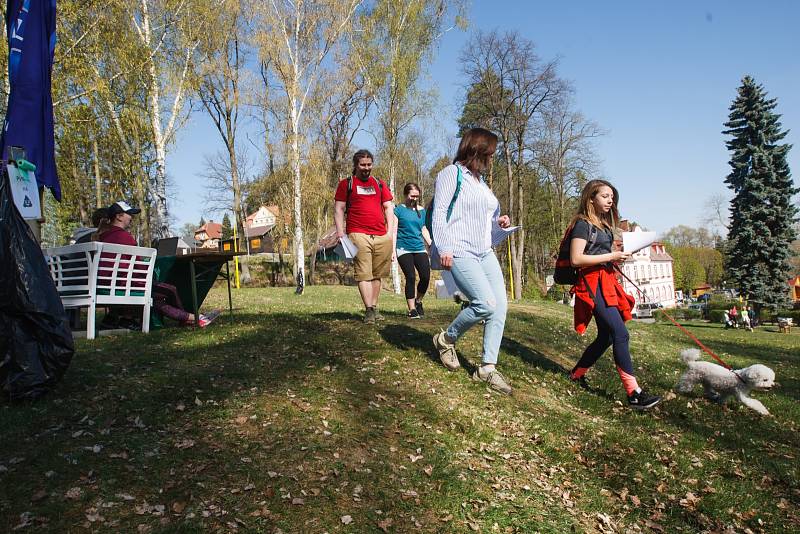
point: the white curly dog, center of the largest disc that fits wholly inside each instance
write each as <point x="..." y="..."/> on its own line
<point x="720" y="383"/>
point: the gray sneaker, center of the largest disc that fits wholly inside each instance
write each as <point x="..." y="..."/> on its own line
<point x="447" y="351"/>
<point x="494" y="379"/>
<point x="369" y="316"/>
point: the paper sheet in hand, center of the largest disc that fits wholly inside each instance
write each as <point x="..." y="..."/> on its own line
<point x="501" y="234"/>
<point x="346" y="249"/>
<point x="447" y="288"/>
<point x="636" y="241"/>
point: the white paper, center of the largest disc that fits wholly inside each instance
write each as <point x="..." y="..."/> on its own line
<point x="636" y="241"/>
<point x="346" y="249"/>
<point x="25" y="192"/>
<point x="446" y="287"/>
<point x="501" y="234"/>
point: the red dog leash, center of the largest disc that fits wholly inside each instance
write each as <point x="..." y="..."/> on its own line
<point x="682" y="329"/>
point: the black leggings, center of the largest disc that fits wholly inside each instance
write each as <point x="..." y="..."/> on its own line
<point x="611" y="332"/>
<point x="408" y="263"/>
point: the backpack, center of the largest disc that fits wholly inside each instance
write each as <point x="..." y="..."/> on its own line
<point x="435" y="261"/>
<point x="565" y="273"/>
<point x="350" y="190"/>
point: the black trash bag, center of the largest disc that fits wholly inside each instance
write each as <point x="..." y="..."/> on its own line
<point x="36" y="344"/>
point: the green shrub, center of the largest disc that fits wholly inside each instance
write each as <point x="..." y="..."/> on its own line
<point x="557" y="293"/>
<point x="679" y="314"/>
<point x="722" y="303"/>
<point x="533" y="287"/>
<point x="771" y="317"/>
<point x="716" y="316"/>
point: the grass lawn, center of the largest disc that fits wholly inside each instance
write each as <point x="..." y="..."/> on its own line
<point x="293" y="416"/>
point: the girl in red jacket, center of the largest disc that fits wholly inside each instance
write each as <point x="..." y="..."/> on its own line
<point x="598" y="293"/>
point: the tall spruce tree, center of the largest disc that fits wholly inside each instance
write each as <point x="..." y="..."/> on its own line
<point x="762" y="212"/>
<point x="227" y="228"/>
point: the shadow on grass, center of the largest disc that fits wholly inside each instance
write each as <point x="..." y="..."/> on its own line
<point x="166" y="402"/>
<point x="404" y="337"/>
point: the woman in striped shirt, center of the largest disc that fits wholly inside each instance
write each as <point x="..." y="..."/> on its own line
<point x="463" y="239"/>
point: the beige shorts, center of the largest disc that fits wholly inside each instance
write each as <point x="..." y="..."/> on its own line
<point x="374" y="258"/>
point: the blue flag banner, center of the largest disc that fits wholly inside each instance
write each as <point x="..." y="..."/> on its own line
<point x="31" y="26"/>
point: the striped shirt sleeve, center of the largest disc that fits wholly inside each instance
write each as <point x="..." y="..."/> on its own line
<point x="444" y="188"/>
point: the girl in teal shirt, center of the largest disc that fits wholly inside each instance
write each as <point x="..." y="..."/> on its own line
<point x="411" y="240"/>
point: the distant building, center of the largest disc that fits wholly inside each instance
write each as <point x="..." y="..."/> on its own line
<point x="702" y="289"/>
<point x="794" y="284"/>
<point x="258" y="227"/>
<point x="327" y="245"/>
<point x="263" y="216"/>
<point x="651" y="270"/>
<point x="208" y="235"/>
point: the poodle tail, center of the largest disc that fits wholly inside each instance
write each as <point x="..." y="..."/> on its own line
<point x="690" y="355"/>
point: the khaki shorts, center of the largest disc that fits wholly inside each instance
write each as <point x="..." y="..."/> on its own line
<point x="374" y="258"/>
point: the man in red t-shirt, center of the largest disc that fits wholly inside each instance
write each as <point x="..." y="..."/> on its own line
<point x="363" y="209"/>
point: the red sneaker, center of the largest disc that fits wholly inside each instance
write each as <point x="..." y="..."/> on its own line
<point x="208" y="318"/>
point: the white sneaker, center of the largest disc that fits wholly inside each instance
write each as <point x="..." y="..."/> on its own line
<point x="494" y="379"/>
<point x="447" y="351"/>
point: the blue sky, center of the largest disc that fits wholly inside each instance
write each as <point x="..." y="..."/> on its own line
<point x="657" y="76"/>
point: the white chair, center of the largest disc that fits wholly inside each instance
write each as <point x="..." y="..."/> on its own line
<point x="92" y="274"/>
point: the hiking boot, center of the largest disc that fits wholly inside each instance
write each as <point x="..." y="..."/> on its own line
<point x="494" y="379"/>
<point x="413" y="314"/>
<point x="420" y="309"/>
<point x="447" y="351"/>
<point x="369" y="316"/>
<point x="582" y="382"/>
<point x="642" y="400"/>
<point x="378" y="316"/>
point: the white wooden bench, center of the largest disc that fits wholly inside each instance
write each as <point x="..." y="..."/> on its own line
<point x="92" y="274"/>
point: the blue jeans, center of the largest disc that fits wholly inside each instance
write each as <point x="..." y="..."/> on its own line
<point x="481" y="281"/>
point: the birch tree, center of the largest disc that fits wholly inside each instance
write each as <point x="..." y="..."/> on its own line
<point x="395" y="39"/>
<point x="167" y="31"/>
<point x="296" y="37"/>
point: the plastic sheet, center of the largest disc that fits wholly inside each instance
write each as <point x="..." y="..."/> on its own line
<point x="36" y="344"/>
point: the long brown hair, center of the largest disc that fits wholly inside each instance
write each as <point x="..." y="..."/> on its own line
<point x="586" y="209"/>
<point x="413" y="186"/>
<point x="476" y="149"/>
<point x="104" y="223"/>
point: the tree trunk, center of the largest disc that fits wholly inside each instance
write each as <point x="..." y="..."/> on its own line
<point x="299" y="249"/>
<point x="97" y="182"/>
<point x="392" y="180"/>
<point x="141" y="199"/>
<point x="159" y="186"/>
<point x="516" y="263"/>
<point x="517" y="266"/>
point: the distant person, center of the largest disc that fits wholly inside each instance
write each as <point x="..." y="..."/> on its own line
<point x="113" y="228"/>
<point x="410" y="247"/>
<point x="746" y="318"/>
<point x="598" y="292"/>
<point x="363" y="211"/>
<point x="464" y="243"/>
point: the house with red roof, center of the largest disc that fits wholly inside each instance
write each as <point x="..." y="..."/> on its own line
<point x="208" y="235"/>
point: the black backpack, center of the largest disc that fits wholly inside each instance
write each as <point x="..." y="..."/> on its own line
<point x="565" y="273"/>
